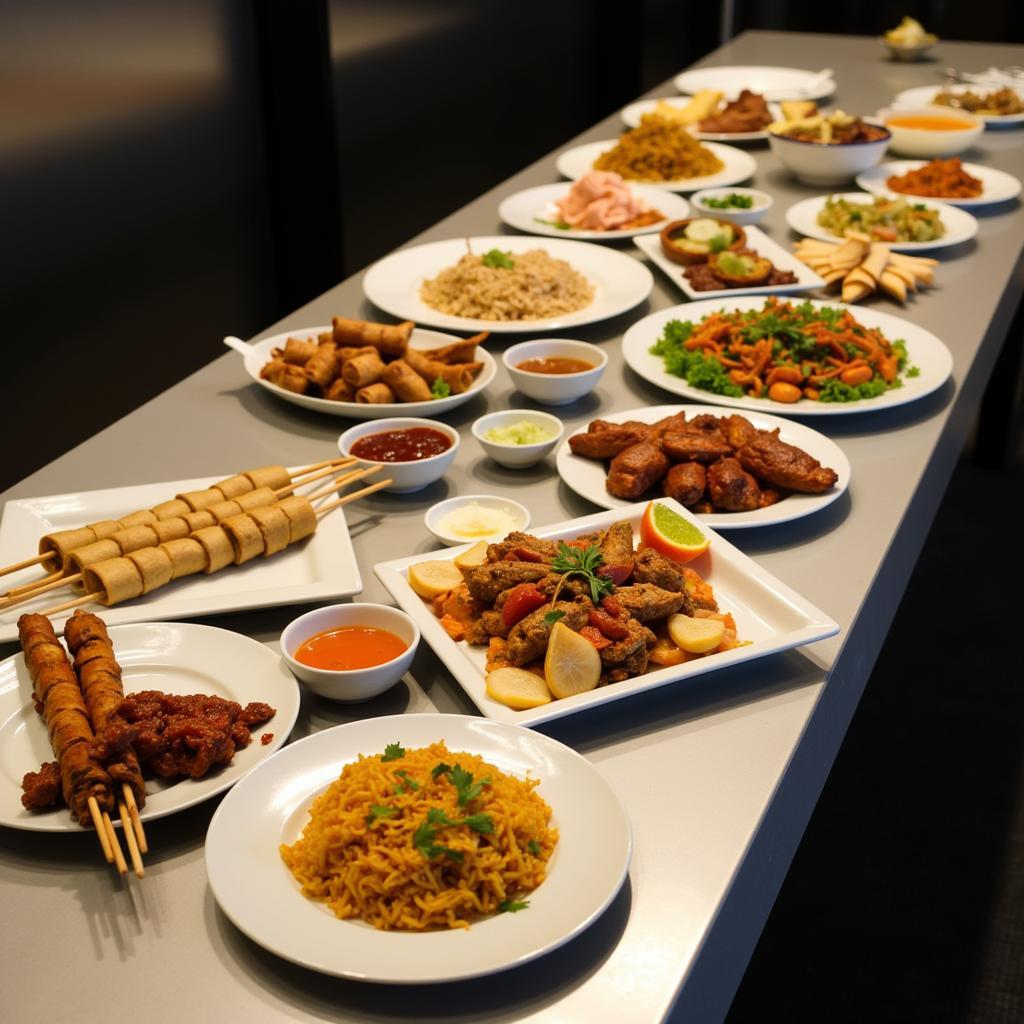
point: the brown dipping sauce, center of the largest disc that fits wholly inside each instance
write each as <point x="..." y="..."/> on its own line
<point x="555" y="364"/>
<point x="410" y="444"/>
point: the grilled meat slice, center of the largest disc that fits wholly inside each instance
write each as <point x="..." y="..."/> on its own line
<point x="515" y="541"/>
<point x="686" y="482"/>
<point x="737" y="430"/>
<point x="695" y="446"/>
<point x="620" y="652"/>
<point x="604" y="440"/>
<point x="647" y="602"/>
<point x="528" y="638"/>
<point x="487" y="581"/>
<point x="652" y="567"/>
<point x="636" y="470"/>
<point x="732" y="488"/>
<point x="784" y="465"/>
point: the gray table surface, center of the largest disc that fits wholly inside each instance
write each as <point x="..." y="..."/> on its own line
<point x="719" y="777"/>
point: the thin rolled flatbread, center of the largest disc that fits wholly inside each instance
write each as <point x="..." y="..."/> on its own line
<point x="225" y="510"/>
<point x="197" y="520"/>
<point x="187" y="556"/>
<point x="170" y="529"/>
<point x="198" y="500"/>
<point x="301" y="516"/>
<point x="256" y="498"/>
<point x="90" y="554"/>
<point x="375" y="394"/>
<point x="143" y="516"/>
<point x="118" y="579"/>
<point x="274" y="477"/>
<point x="233" y="486"/>
<point x="135" y="537"/>
<point x="246" y="538"/>
<point x="171" y="509"/>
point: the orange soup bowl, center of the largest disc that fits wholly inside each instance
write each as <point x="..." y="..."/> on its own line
<point x="931" y="132"/>
<point x="352" y="685"/>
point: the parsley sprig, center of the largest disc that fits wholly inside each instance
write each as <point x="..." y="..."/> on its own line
<point x="424" y="838"/>
<point x="440" y="388"/>
<point x="407" y="785"/>
<point x="498" y="260"/>
<point x="583" y="562"/>
<point x="392" y="752"/>
<point x="378" y="811"/>
<point x="512" y="906"/>
<point x="462" y="780"/>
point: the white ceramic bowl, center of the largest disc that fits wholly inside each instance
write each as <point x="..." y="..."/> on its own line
<point x="406" y="476"/>
<point x="762" y="203"/>
<point x="823" y="163"/>
<point x="356" y="684"/>
<point x="928" y="143"/>
<point x="436" y="513"/>
<point x="518" y="456"/>
<point x="555" y="388"/>
<point x="908" y="53"/>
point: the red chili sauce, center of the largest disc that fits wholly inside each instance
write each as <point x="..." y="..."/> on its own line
<point x="408" y="445"/>
<point x="350" y="647"/>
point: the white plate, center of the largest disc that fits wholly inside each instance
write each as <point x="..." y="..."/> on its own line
<point x="739" y="166"/>
<point x="767" y="612"/>
<point x="587" y="476"/>
<point x="756" y="240"/>
<point x="176" y="657"/>
<point x="321" y="568"/>
<point x="259" y="354"/>
<point x="924" y="96"/>
<point x="924" y="351"/>
<point x="960" y="225"/>
<point x="525" y="210"/>
<point x="620" y="282"/>
<point x="631" y="116"/>
<point x="772" y="82"/>
<point x="997" y="186"/>
<point x="271" y="806"/>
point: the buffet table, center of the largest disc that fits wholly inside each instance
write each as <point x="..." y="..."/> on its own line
<point x="719" y="776"/>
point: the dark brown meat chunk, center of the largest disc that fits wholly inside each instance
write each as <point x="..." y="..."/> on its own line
<point x="486" y="582"/>
<point x="42" y="788"/>
<point x="528" y="638"/>
<point x="653" y="567"/>
<point x="737" y="430"/>
<point x="630" y="653"/>
<point x="785" y="465"/>
<point x="636" y="470"/>
<point x="732" y="488"/>
<point x="617" y="553"/>
<point x="686" y="482"/>
<point x="604" y="440"/>
<point x="770" y="496"/>
<point x="647" y="602"/>
<point x="695" y="446"/>
<point x="515" y="541"/>
<point x="571" y="586"/>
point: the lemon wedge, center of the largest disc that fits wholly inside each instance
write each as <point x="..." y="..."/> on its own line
<point x="431" y="579"/>
<point x="517" y="689"/>
<point x="572" y="664"/>
<point x="695" y="636"/>
<point x="472" y="557"/>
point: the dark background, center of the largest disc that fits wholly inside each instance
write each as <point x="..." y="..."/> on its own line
<point x="171" y="173"/>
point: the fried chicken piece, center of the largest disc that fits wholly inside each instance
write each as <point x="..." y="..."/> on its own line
<point x="695" y="446"/>
<point x="737" y="430"/>
<point x="785" y="465"/>
<point x="699" y="594"/>
<point x="685" y="482"/>
<point x="487" y="581"/>
<point x="653" y="567"/>
<point x="617" y="553"/>
<point x="636" y="470"/>
<point x="770" y="496"/>
<point x="646" y="602"/>
<point x="732" y="488"/>
<point x="604" y="440"/>
<point x="676" y="422"/>
<point x="547" y="549"/>
<point x="528" y="638"/>
<point x="630" y="653"/>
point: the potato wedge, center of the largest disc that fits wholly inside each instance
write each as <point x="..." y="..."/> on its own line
<point x="431" y="579"/>
<point x="695" y="636"/>
<point x="473" y="557"/>
<point x="517" y="689"/>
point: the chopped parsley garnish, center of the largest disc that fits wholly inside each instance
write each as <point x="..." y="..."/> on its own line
<point x="552" y="617"/>
<point x="582" y="562"/>
<point x="498" y="260"/>
<point x="392" y="752"/>
<point x="440" y="388"/>
<point x="411" y="785"/>
<point x="423" y="839"/>
<point x="440" y="769"/>
<point x="734" y="200"/>
<point x="513" y="906"/>
<point x="378" y="811"/>
<point x="534" y="847"/>
<point x="462" y="780"/>
<point x="913" y="371"/>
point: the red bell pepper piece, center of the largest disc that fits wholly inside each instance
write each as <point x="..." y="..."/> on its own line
<point x="607" y="625"/>
<point x="520" y="602"/>
<point x="596" y="637"/>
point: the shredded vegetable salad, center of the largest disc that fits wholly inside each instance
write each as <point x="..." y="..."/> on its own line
<point x="784" y="352"/>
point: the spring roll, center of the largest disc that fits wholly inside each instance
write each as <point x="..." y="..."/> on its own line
<point x="350" y="352"/>
<point x="375" y="394"/>
<point x="457" y="352"/>
<point x="388" y="339"/>
<point x="287" y="376"/>
<point x="298" y="352"/>
<point x="301" y="516"/>
<point x="459" y="377"/>
<point x="322" y="368"/>
<point x="405" y="382"/>
<point x="361" y="371"/>
<point x="340" y="391"/>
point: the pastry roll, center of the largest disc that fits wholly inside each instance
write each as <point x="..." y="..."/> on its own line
<point x="219" y="549"/>
<point x="233" y="486"/>
<point x="274" y="526"/>
<point x="105" y="527"/>
<point x="64" y="542"/>
<point x="298" y="352"/>
<point x="118" y="578"/>
<point x="351" y="351"/>
<point x="135" y="518"/>
<point x="322" y="368"/>
<point x="388" y="339"/>
<point x="172" y="508"/>
<point x="274" y="477"/>
<point x="405" y="382"/>
<point x="363" y="370"/>
<point x="301" y="516"/>
<point x="340" y="391"/>
<point x="286" y="375"/>
<point x="197" y="520"/>
<point x="375" y="394"/>
<point x="155" y="568"/>
<point x="89" y="554"/>
<point x="187" y="556"/>
<point x="198" y="500"/>
<point x="224" y="510"/>
<point x="458" y="376"/>
<point x="457" y="352"/>
<point x="170" y="529"/>
<point x="255" y="499"/>
<point x="135" y="537"/>
<point x="326" y="338"/>
<point x="246" y="538"/>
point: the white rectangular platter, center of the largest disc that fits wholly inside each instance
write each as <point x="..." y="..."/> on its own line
<point x="318" y="569"/>
<point x="806" y="279"/>
<point x="767" y="613"/>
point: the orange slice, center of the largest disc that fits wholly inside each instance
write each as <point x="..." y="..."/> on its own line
<point x="668" y="533"/>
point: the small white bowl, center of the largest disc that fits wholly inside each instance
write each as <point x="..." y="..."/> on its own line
<point x="762" y="204"/>
<point x="436" y="513"/>
<point x="907" y="53"/>
<point x="518" y="456"/>
<point x="406" y="476"/>
<point x="356" y="684"/>
<point x="555" y="388"/>
<point x="928" y="143"/>
<point x="827" y="163"/>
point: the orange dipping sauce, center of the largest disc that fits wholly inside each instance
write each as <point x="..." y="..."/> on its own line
<point x="555" y="364"/>
<point x="350" y="647"/>
<point x="923" y="122"/>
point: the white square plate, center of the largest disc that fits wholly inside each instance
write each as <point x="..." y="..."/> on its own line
<point x="806" y="279"/>
<point x="320" y="568"/>
<point x="767" y="613"/>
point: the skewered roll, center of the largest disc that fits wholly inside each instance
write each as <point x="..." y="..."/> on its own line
<point x="187" y="556"/>
<point x="220" y="552"/>
<point x="301" y="517"/>
<point x="246" y="538"/>
<point x="198" y="500"/>
<point x="275" y="527"/>
<point x="154" y="566"/>
<point x="233" y="486"/>
<point x="274" y="477"/>
<point x="171" y="509"/>
<point x="118" y="578"/>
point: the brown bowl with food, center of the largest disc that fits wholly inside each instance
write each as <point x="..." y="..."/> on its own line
<point x="693" y="240"/>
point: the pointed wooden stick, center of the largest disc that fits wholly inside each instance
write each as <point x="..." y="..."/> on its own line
<point x="7" y="570"/>
<point x="84" y="599"/>
<point x="285" y="491"/>
<point x="115" y="846"/>
<point x="133" y="810"/>
<point x="354" y="496"/>
<point x="14" y="591"/>
<point x="31" y="594"/>
<point x="129" y="838"/>
<point x="344" y="481"/>
<point x="338" y="460"/>
<point x="101" y="831"/>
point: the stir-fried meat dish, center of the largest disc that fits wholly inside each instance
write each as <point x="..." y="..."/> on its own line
<point x="708" y="463"/>
<point x="747" y="113"/>
<point x="621" y="604"/>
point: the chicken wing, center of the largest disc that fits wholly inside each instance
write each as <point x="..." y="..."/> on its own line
<point x="785" y="465"/>
<point x="695" y="446"/>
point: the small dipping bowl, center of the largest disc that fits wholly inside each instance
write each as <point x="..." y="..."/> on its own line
<point x="518" y="456"/>
<point x="762" y="203"/>
<point x="930" y="143"/>
<point x="406" y="476"/>
<point x="436" y="514"/>
<point x="358" y="684"/>
<point x="554" y="388"/>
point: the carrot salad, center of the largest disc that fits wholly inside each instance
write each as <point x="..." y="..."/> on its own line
<point x="784" y="352"/>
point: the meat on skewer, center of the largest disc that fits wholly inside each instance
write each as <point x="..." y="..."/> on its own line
<point x="59" y="699"/>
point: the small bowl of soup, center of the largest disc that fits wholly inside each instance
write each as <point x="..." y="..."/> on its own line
<point x="931" y="132"/>
<point x="415" y="452"/>
<point x="350" y="652"/>
<point x="555" y="371"/>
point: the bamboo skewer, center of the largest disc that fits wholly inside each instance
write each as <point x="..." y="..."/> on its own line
<point x="97" y="821"/>
<point x="115" y="846"/>
<point x="133" y="811"/>
<point x="129" y="838"/>
<point x="354" y="496"/>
